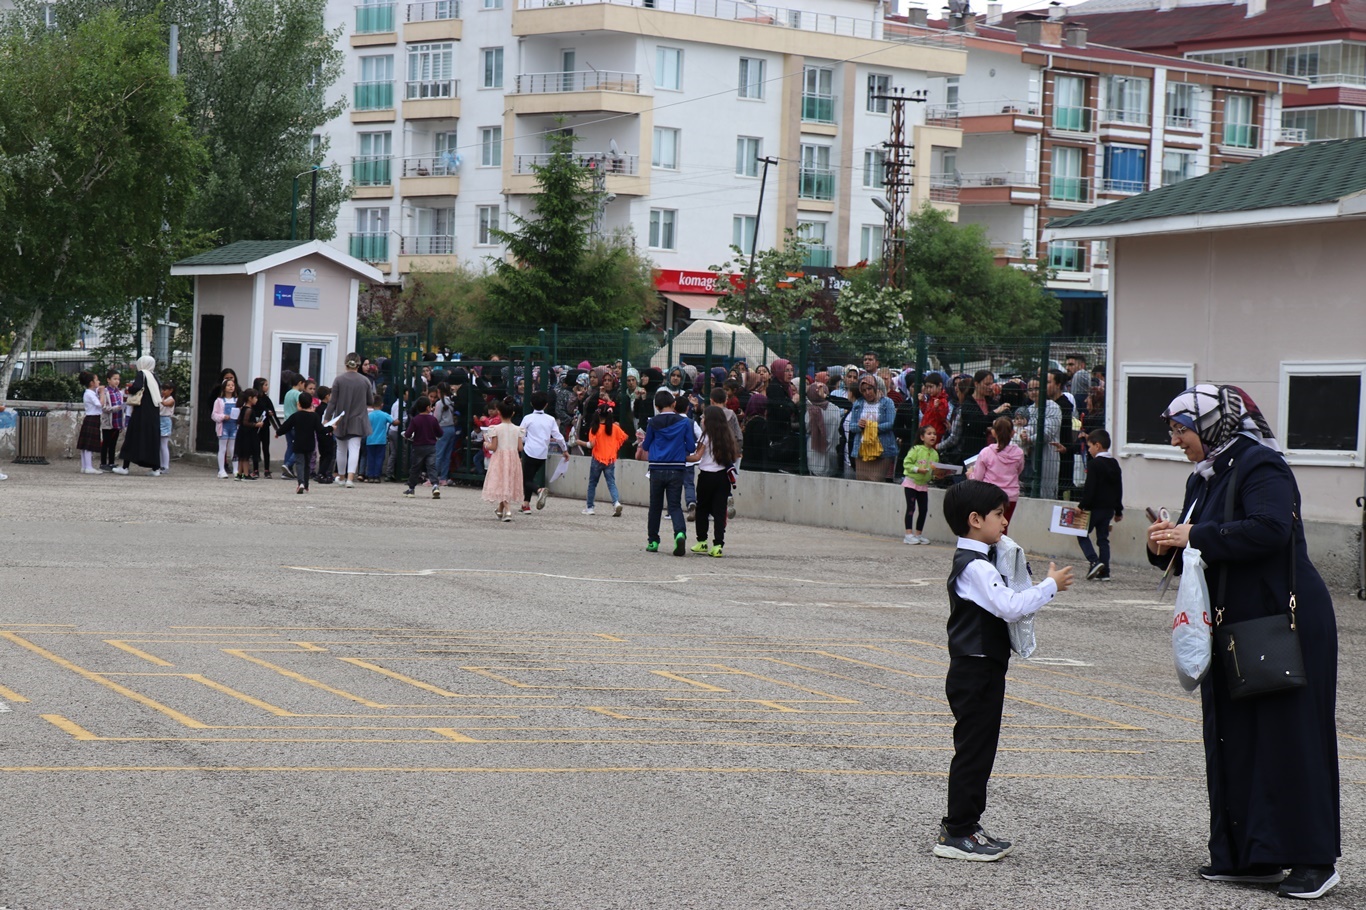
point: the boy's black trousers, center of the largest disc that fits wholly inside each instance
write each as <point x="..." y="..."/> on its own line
<point x="976" y="689"/>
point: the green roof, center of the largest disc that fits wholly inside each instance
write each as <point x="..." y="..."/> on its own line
<point x="1313" y="174"/>
<point x="242" y="252"/>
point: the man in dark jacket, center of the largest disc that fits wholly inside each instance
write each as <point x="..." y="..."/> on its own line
<point x="669" y="439"/>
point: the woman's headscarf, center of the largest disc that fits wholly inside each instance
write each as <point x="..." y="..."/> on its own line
<point x="817" y="394"/>
<point x="581" y="379"/>
<point x="146" y="363"/>
<point x="718" y="376"/>
<point x="1219" y="415"/>
<point x="632" y="371"/>
<point x="675" y="371"/>
<point x="822" y="376"/>
<point x="779" y="369"/>
<point x="757" y="405"/>
<point x="585" y="366"/>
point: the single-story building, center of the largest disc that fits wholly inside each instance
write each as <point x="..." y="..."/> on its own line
<point x="1253" y="276"/>
<point x="262" y="307"/>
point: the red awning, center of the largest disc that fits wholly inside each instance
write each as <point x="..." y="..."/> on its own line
<point x="699" y="303"/>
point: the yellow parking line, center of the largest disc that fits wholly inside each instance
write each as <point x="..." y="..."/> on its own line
<point x="69" y="726"/>
<point x="137" y="652"/>
<point x="11" y="695"/>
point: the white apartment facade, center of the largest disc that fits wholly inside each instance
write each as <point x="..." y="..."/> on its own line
<point x="675" y="101"/>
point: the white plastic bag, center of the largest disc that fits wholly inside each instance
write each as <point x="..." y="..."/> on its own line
<point x="1014" y="568"/>
<point x="1192" y="631"/>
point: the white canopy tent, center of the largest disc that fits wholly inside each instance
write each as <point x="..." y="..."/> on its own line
<point x="725" y="338"/>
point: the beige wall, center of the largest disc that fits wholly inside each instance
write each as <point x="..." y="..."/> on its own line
<point x="228" y="296"/>
<point x="1235" y="304"/>
<point x="333" y="317"/>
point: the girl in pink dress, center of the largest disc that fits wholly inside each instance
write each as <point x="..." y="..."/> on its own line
<point x="503" y="482"/>
<point x="1000" y="463"/>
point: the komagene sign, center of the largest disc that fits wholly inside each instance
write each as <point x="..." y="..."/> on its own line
<point x="683" y="281"/>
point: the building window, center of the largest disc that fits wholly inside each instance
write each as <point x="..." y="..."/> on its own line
<point x="874" y="169"/>
<point x="371" y="166"/>
<point x="1180" y="105"/>
<point x="742" y="232"/>
<point x="371" y="240"/>
<point x="1240" y="124"/>
<point x="1147" y="389"/>
<point x="488" y="223"/>
<point x="1069" y="105"/>
<point x="1176" y="166"/>
<point x="491" y="146"/>
<point x="1321" y="420"/>
<point x="878" y="85"/>
<point x="663" y="224"/>
<point x="493" y="67"/>
<point x="1066" y="183"/>
<point x="665" y="149"/>
<point x="375" y="90"/>
<point x="430" y="69"/>
<point x="747" y="152"/>
<point x="951" y="89"/>
<point x="1126" y="169"/>
<point x="751" y="78"/>
<point x="1128" y="99"/>
<point x="493" y="4"/>
<point x="1067" y="256"/>
<point x="816" y="179"/>
<point x="669" y="68"/>
<point x="818" y="100"/>
<point x="819" y="255"/>
<point x="870" y="242"/>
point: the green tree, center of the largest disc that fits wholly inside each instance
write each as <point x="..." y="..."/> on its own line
<point x="95" y="124"/>
<point x="772" y="294"/>
<point x="557" y="270"/>
<point x="956" y="288"/>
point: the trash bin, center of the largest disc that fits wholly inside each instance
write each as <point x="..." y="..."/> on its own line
<point x="32" y="427"/>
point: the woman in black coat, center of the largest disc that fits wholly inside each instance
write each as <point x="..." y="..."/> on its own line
<point x="142" y="441"/>
<point x="1271" y="761"/>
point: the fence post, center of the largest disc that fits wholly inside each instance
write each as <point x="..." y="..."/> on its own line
<point x="668" y="366"/>
<point x="803" y="354"/>
<point x="706" y="382"/>
<point x="554" y="343"/>
<point x="1040" y="426"/>
<point x="732" y="347"/>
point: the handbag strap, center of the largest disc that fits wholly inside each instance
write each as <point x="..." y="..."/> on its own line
<point x="1223" y="570"/>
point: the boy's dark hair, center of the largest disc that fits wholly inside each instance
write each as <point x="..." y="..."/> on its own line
<point x="980" y="375"/>
<point x="299" y="379"/>
<point x="1099" y="437"/>
<point x="963" y="499"/>
<point x="306" y="402"/>
<point x="932" y="379"/>
<point x="664" y="400"/>
<point x="421" y="406"/>
<point x="1079" y="358"/>
<point x="539" y="400"/>
<point x="1060" y="379"/>
<point x="732" y="385"/>
<point x="718" y="395"/>
<point x="322" y="391"/>
<point x="681" y="404"/>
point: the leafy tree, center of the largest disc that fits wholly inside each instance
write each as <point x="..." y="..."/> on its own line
<point x="95" y="124"/>
<point x="779" y="294"/>
<point x="556" y="270"/>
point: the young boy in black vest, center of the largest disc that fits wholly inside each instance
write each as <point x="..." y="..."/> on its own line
<point x="1103" y="497"/>
<point x="980" y="606"/>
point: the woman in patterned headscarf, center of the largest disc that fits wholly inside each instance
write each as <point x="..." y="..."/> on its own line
<point x="1271" y="762"/>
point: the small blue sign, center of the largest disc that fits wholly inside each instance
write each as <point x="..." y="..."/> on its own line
<point x="284" y="295"/>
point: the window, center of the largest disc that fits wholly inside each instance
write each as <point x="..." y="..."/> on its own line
<point x="1147" y="389"/>
<point x="818" y="102"/>
<point x="747" y="152"/>
<point x="878" y="84"/>
<point x="491" y="146"/>
<point x="375" y="90"/>
<point x="371" y="166"/>
<point x="870" y="242"/>
<point x="1176" y="166"/>
<point x="1069" y="105"/>
<point x="1240" y="130"/>
<point x="1180" y="105"/>
<point x="874" y="169"/>
<point x="1321" y="420"/>
<point x="1067" y="256"/>
<point x="751" y="78"/>
<point x="669" y="68"/>
<point x="493" y="67"/>
<point x="371" y="240"/>
<point x="1066" y="183"/>
<point x="433" y="232"/>
<point x="1128" y="99"/>
<point x="429" y="71"/>
<point x="818" y="253"/>
<point x="951" y="87"/>
<point x="742" y="231"/>
<point x="665" y="149"/>
<point x="663" y="223"/>
<point x="488" y="223"/>
<point x="493" y="4"/>
<point x="1126" y="169"/>
<point x="816" y="179"/>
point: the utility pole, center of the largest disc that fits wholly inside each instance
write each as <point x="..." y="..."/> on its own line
<point x="898" y="168"/>
<point x="754" y="238"/>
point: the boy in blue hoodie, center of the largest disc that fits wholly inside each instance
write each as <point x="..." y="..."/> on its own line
<point x="669" y="440"/>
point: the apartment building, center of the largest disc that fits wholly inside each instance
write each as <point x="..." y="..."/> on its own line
<point x="1323" y="41"/>
<point x="674" y="104"/>
<point x="1054" y="124"/>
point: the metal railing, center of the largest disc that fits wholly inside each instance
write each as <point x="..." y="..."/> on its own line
<point x="442" y="165"/>
<point x="982" y="109"/>
<point x="374" y="18"/>
<point x="943" y="188"/>
<point x="777" y="17"/>
<point x="818" y="108"/>
<point x="1124" y="115"/>
<point x="1074" y="119"/>
<point x="819" y="256"/>
<point x="1242" y="136"/>
<point x="370" y="247"/>
<point x="1122" y="186"/>
<point x="612" y="165"/>
<point x="426" y="245"/>
<point x="1008" y="250"/>
<point x="370" y="170"/>
<point x="1181" y="122"/>
<point x="816" y="183"/>
<point x="1287" y="134"/>
<point x="373" y="96"/>
<point x="999" y="178"/>
<point x="586" y="81"/>
<point x="1079" y="190"/>
<point x="433" y="10"/>
<point x="431" y="89"/>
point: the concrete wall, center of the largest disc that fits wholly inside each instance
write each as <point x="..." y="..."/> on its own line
<point x="64" y="426"/>
<point x="878" y="509"/>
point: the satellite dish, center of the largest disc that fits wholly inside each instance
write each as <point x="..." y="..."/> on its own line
<point x="882" y="204"/>
<point x="612" y="146"/>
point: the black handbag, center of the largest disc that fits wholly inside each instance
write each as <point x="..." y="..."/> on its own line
<point x="1260" y="656"/>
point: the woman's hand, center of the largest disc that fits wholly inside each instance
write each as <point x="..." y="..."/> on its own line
<point x="1164" y="536"/>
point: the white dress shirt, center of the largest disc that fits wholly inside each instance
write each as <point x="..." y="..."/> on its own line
<point x="982" y="584"/>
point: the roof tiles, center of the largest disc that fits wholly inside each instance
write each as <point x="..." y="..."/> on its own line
<point x="242" y="252"/>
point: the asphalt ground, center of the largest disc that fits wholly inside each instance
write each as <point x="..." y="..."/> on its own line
<point x="228" y="695"/>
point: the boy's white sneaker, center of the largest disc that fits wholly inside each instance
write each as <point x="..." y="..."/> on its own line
<point x="910" y="539"/>
<point x="125" y="471"/>
<point x="221" y="474"/>
<point x="922" y="539"/>
<point x="588" y="511"/>
<point x="616" y="510"/>
<point x="6" y="476"/>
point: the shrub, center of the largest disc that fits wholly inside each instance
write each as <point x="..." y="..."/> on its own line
<point x="46" y="386"/>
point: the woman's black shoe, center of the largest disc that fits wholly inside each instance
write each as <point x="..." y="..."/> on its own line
<point x="1257" y="874"/>
<point x="1308" y="882"/>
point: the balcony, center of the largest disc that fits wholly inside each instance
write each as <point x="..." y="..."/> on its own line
<point x="370" y="177"/>
<point x="434" y="11"/>
<point x="1126" y="117"/>
<point x="998" y="188"/>
<point x="1182" y="122"/>
<point x="987" y="116"/>
<point x="818" y="256"/>
<point x="1069" y="192"/>
<point x="1290" y="136"/>
<point x="816" y="183"/>
<point x="622" y="172"/>
<point x="943" y="188"/>
<point x="1241" y="139"/>
<point x="370" y="247"/>
<point x="433" y="20"/>
<point x="1122" y="187"/>
<point x="430" y="175"/>
<point x="1080" y="120"/>
<point x="818" y="108"/>
<point x="1011" y="253"/>
<point x="372" y="102"/>
<point x="575" y="92"/>
<point x="431" y="99"/>
<point x="375" y="18"/>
